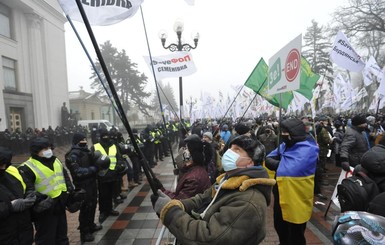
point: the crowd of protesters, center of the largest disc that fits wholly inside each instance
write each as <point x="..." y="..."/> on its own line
<point x="244" y="161"/>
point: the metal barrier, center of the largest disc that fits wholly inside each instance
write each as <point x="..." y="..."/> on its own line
<point x="164" y="228"/>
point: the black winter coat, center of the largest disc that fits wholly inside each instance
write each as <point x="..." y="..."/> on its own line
<point x="79" y="162"/>
<point x="16" y="228"/>
<point x="374" y="162"/>
<point x="353" y="146"/>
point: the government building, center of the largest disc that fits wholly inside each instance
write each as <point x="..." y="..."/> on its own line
<point x="33" y="72"/>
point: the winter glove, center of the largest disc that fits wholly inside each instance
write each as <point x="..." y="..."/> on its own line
<point x="158" y="202"/>
<point x="345" y="166"/>
<point x="21" y="204"/>
<point x="30" y="199"/>
<point x="43" y="205"/>
<point x="18" y="205"/>
<point x="158" y="184"/>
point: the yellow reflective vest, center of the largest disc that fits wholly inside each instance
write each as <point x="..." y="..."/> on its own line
<point x="15" y="173"/>
<point x="49" y="182"/>
<point x="112" y="151"/>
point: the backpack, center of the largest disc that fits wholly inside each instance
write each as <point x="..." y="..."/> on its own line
<point x="355" y="193"/>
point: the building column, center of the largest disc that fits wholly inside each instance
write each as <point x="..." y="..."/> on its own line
<point x="37" y="66"/>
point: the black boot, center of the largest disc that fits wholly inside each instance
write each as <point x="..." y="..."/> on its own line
<point x="87" y="237"/>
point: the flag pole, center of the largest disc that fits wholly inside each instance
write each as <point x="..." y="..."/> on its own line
<point x="228" y="109"/>
<point x="157" y="89"/>
<point x="147" y="170"/>
<point x="240" y="120"/>
<point x="94" y="66"/>
<point x="279" y="120"/>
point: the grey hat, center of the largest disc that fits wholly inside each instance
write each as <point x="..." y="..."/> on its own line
<point x="208" y="135"/>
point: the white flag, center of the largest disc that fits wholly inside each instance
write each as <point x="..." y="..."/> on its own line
<point x="373" y="67"/>
<point x="344" y="55"/>
<point x="381" y="88"/>
<point x="178" y="64"/>
<point x="101" y="13"/>
<point x="368" y="77"/>
<point x="190" y="2"/>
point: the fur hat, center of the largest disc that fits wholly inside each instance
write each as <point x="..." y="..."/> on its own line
<point x="241" y="128"/>
<point x="255" y="149"/>
<point x="358" y="119"/>
<point x="39" y="143"/>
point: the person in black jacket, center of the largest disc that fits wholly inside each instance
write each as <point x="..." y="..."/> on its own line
<point x="16" y="199"/>
<point x="80" y="163"/>
<point x="373" y="161"/>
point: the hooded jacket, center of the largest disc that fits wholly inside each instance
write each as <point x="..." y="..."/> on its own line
<point x="374" y="162"/>
<point x="234" y="215"/>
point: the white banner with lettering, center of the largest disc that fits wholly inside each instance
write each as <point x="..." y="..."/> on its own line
<point x="178" y="64"/>
<point x="101" y="13"/>
<point x="344" y="55"/>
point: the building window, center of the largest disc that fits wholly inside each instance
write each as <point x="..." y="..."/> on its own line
<point x="5" y="21"/>
<point x="9" y="71"/>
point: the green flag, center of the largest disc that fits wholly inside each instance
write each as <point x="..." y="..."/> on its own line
<point x="257" y="81"/>
<point x="257" y="76"/>
<point x="308" y="79"/>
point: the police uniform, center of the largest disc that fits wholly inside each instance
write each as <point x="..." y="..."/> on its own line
<point x="50" y="179"/>
<point x="108" y="180"/>
<point x="16" y="226"/>
<point x="79" y="162"/>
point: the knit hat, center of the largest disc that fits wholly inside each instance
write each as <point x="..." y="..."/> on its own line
<point x="241" y="128"/>
<point x="5" y="156"/>
<point x="208" y="135"/>
<point x="194" y="143"/>
<point x="78" y="137"/>
<point x="295" y="127"/>
<point x="39" y="143"/>
<point x="254" y="149"/>
<point x="358" y="119"/>
<point x="103" y="132"/>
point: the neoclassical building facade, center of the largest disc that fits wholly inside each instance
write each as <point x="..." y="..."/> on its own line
<point x="33" y="72"/>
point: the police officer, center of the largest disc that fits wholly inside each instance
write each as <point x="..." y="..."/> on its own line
<point x="108" y="180"/>
<point x="52" y="183"/>
<point x="16" y="199"/>
<point x="80" y="163"/>
<point x="149" y="146"/>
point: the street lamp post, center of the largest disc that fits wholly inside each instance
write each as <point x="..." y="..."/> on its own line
<point x="179" y="46"/>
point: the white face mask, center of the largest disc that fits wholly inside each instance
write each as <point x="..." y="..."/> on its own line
<point x="48" y="153"/>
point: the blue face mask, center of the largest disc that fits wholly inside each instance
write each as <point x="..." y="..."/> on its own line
<point x="229" y="160"/>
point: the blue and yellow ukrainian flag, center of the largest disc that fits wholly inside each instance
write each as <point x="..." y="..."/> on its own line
<point x="295" y="180"/>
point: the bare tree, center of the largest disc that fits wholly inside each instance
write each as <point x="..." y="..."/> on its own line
<point x="364" y="22"/>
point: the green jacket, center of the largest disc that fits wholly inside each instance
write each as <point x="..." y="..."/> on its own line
<point x="237" y="215"/>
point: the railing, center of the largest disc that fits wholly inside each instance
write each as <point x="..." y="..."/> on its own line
<point x="164" y="229"/>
